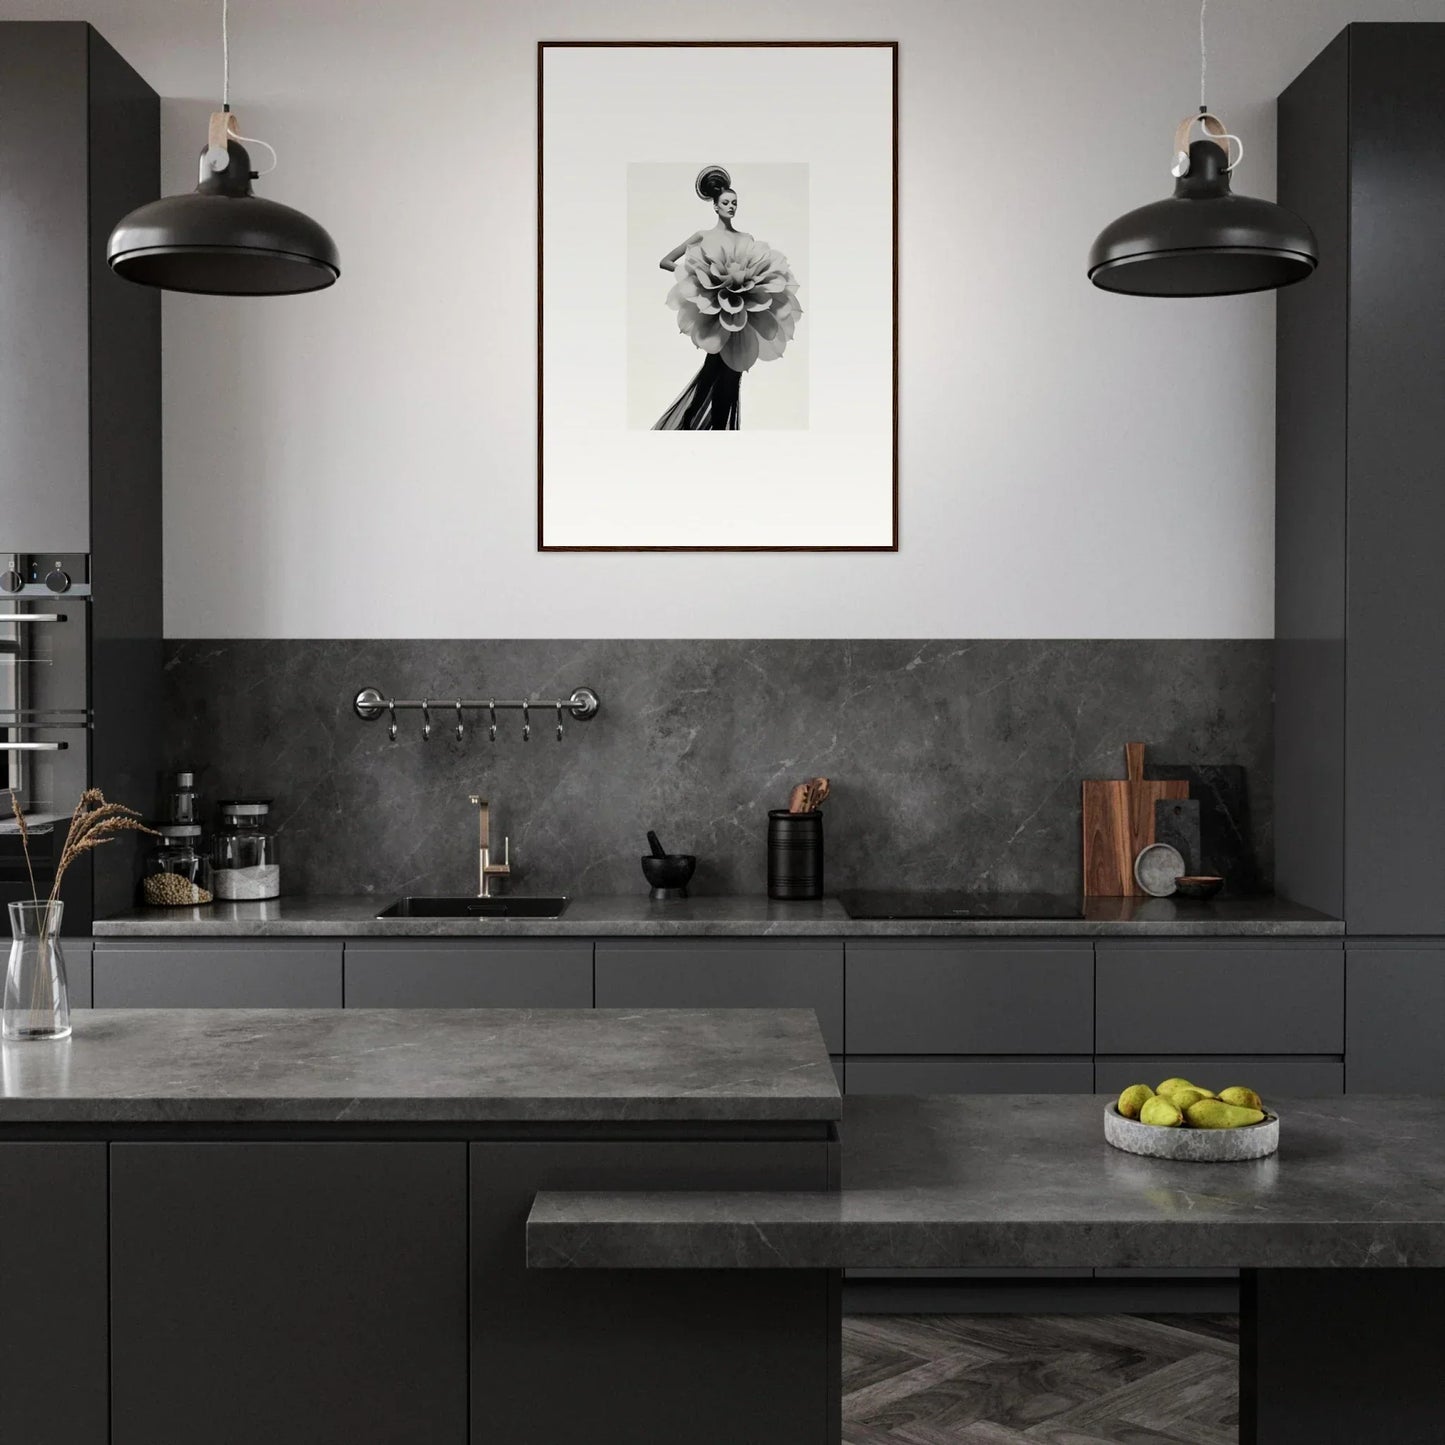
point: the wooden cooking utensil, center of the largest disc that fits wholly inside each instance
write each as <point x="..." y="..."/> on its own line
<point x="1119" y="822"/>
<point x="807" y="796"/>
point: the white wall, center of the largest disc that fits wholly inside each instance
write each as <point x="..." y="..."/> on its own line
<point x="361" y="463"/>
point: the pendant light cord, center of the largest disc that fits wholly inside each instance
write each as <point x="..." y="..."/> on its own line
<point x="215" y="157"/>
<point x="1203" y="56"/>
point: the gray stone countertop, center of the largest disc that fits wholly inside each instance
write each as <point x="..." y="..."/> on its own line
<point x="701" y="917"/>
<point x="1028" y="1181"/>
<point x="422" y="1066"/>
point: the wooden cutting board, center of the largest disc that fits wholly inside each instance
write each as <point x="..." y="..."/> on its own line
<point x="1119" y="822"/>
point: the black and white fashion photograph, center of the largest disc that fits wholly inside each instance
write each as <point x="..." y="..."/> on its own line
<point x="717" y="253"/>
<point x="734" y="297"/>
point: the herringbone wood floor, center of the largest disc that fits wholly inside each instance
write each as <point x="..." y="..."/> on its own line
<point x="1040" y="1380"/>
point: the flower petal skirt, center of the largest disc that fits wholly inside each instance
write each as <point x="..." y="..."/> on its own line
<point x="708" y="403"/>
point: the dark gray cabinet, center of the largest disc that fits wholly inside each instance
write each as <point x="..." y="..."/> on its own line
<point x="77" y="953"/>
<point x="80" y="349"/>
<point x="291" y="1293"/>
<point x="744" y="1369"/>
<point x="1275" y="1076"/>
<point x="464" y="973"/>
<point x="922" y="1015"/>
<point x="54" y="1336"/>
<point x="1360" y="512"/>
<point x="726" y="973"/>
<point x="205" y="973"/>
<point x="1167" y="997"/>
<point x="44" y="346"/>
<point x="80" y="422"/>
<point x="970" y="1076"/>
<point x="1394" y="1040"/>
<point x="957" y="996"/>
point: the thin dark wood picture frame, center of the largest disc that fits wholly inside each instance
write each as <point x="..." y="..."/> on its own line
<point x="542" y="47"/>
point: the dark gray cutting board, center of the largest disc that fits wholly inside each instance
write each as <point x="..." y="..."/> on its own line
<point x="1176" y="822"/>
<point x="1225" y="840"/>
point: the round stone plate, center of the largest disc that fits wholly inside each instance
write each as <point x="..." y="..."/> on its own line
<point x="1156" y="868"/>
<point x="1197" y="1146"/>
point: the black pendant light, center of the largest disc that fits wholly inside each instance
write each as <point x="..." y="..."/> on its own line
<point x="222" y="239"/>
<point x="1203" y="240"/>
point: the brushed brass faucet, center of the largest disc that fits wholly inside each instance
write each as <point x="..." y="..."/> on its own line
<point x="486" y="869"/>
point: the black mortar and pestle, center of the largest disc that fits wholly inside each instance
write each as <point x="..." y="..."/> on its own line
<point x="667" y="872"/>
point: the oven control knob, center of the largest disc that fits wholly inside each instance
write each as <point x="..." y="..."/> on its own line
<point x="58" y="581"/>
<point x="11" y="581"/>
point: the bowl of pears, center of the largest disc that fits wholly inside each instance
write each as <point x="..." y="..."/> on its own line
<point x="1182" y="1120"/>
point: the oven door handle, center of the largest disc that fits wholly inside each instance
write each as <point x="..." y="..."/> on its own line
<point x="32" y="617"/>
<point x="33" y="747"/>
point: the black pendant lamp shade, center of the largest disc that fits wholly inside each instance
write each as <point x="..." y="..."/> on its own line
<point x="223" y="240"/>
<point x="1203" y="240"/>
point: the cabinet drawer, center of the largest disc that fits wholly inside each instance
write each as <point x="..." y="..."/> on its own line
<point x="714" y="973"/>
<point x="1396" y="1001"/>
<point x="1298" y="1078"/>
<point x="222" y="974"/>
<point x="970" y="1076"/>
<point x="77" y="970"/>
<point x="1166" y="998"/>
<point x="943" y="996"/>
<point x="461" y="973"/>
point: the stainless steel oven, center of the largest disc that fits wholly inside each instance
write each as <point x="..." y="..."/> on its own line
<point x="45" y="713"/>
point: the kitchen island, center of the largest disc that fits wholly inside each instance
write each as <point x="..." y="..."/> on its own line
<point x="1341" y="1235"/>
<point x="309" y="1226"/>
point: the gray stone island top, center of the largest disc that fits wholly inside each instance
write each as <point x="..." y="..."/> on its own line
<point x="1027" y="1180"/>
<point x="422" y="1066"/>
<point x="719" y="916"/>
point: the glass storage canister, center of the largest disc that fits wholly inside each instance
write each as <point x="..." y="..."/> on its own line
<point x="245" y="864"/>
<point x="177" y="870"/>
<point x="178" y="798"/>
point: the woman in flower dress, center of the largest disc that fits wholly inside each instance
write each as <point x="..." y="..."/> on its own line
<point x="736" y="299"/>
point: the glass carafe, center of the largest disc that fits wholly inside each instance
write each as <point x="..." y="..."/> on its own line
<point x="37" y="1001"/>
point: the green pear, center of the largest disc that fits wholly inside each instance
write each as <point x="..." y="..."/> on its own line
<point x="1216" y="1114"/>
<point x="1133" y="1099"/>
<point x="1161" y="1112"/>
<point x="1169" y="1085"/>
<point x="1182" y="1098"/>
<point x="1245" y="1098"/>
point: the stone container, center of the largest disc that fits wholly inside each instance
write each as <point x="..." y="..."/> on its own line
<point x="1195" y="1146"/>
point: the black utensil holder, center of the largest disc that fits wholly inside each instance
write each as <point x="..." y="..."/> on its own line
<point x="795" y="854"/>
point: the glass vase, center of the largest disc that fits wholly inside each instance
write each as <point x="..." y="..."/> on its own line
<point x="37" y="1001"/>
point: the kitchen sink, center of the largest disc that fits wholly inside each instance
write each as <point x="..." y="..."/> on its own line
<point x="473" y="907"/>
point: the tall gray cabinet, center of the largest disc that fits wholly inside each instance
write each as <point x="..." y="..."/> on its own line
<point x="80" y="445"/>
<point x="1360" y="528"/>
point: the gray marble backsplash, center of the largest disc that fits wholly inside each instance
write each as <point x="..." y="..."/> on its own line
<point x="953" y="764"/>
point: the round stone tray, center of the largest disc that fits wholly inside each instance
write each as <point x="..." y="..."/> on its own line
<point x="1197" y="1146"/>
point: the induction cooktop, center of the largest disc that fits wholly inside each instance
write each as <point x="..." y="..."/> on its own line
<point x="944" y="904"/>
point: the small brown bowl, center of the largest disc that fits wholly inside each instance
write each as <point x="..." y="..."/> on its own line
<point x="1199" y="887"/>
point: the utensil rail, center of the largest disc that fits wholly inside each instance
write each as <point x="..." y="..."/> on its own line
<point x="370" y="703"/>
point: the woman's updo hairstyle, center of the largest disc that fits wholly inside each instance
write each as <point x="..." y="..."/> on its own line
<point x="712" y="181"/>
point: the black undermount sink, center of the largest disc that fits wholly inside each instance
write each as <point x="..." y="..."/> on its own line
<point x="475" y="908"/>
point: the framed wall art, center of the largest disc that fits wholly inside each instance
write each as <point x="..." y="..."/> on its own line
<point x="717" y="296"/>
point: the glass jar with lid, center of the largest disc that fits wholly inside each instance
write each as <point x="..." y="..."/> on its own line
<point x="245" y="865"/>
<point x="178" y="869"/>
<point x="178" y="798"/>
